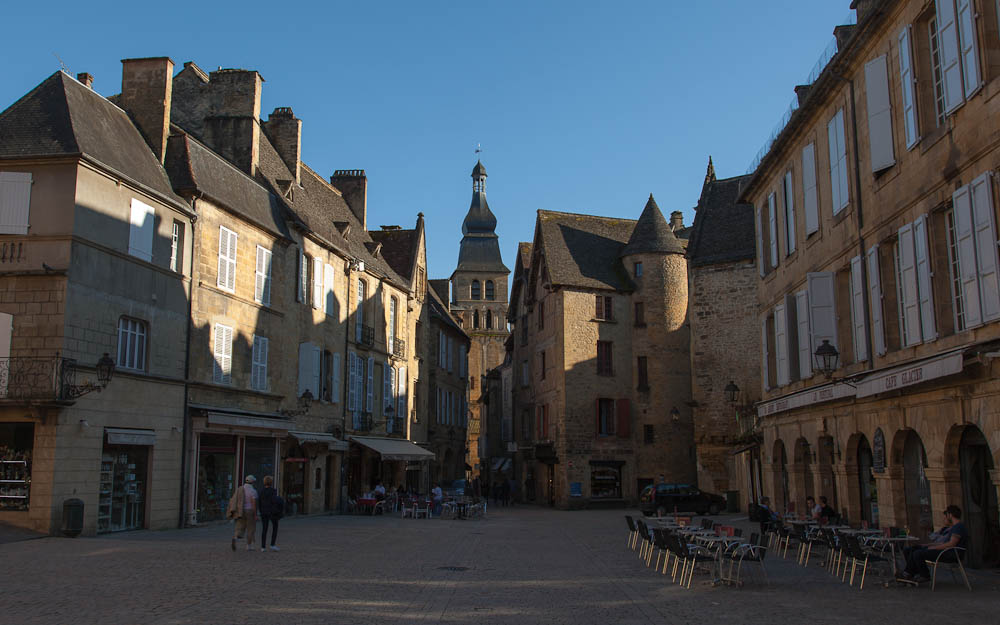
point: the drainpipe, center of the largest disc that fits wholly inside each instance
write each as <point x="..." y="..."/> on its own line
<point x="186" y="430"/>
<point x="344" y="464"/>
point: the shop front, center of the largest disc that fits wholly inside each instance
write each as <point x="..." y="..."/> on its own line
<point x="606" y="480"/>
<point x="373" y="459"/>
<point x="16" y="447"/>
<point x="124" y="479"/>
<point x="312" y="465"/>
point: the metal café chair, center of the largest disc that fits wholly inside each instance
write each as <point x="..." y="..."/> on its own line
<point x="633" y="532"/>
<point x="959" y="554"/>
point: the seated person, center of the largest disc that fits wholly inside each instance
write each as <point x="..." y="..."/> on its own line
<point x="826" y="512"/>
<point x="953" y="534"/>
<point x="766" y="515"/>
<point x="813" y="510"/>
<point x="379" y="490"/>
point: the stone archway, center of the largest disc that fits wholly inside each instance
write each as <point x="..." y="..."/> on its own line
<point x="803" y="482"/>
<point x="966" y="447"/>
<point x="867" y="487"/>
<point x="779" y="464"/>
<point x="908" y="452"/>
<point x="825" y="460"/>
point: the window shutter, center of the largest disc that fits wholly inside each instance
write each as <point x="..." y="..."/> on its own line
<point x="965" y="239"/>
<point x="986" y="245"/>
<point x="951" y="69"/>
<point x="859" y="316"/>
<point x="299" y="269"/>
<point x="809" y="188"/>
<point x="879" y="113"/>
<point x="760" y="245"/>
<point x="305" y="375"/>
<point x="15" y="202"/>
<point x="262" y="281"/>
<point x="845" y="195"/>
<point x="450" y="355"/>
<point x="822" y="308"/>
<point x="967" y="41"/>
<point x="764" y="354"/>
<point x="802" y="321"/>
<point x="403" y="383"/>
<point x="834" y="142"/>
<point x="599" y="308"/>
<point x="328" y="286"/>
<point x="387" y="398"/>
<point x="875" y="300"/>
<point x="351" y="387"/>
<point x="336" y="378"/>
<point x="597" y="416"/>
<point x="369" y="393"/>
<point x="624" y="416"/>
<point x="223" y="354"/>
<point x="258" y="377"/>
<point x="924" y="290"/>
<point x="908" y="279"/>
<point x="908" y="87"/>
<point x="781" y="344"/>
<point x="317" y="294"/>
<point x="772" y="219"/>
<point x="789" y="214"/>
<point x="140" y="233"/>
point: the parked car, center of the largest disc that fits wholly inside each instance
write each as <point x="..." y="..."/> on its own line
<point x="663" y="499"/>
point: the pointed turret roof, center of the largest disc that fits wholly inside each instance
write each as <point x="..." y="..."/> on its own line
<point x="479" y="170"/>
<point x="480" y="247"/>
<point x="652" y="234"/>
<point x="710" y="173"/>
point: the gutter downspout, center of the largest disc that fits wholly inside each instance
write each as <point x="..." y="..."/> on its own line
<point x="344" y="463"/>
<point x="186" y="430"/>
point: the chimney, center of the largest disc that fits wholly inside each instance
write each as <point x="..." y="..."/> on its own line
<point x="233" y="126"/>
<point x="353" y="185"/>
<point x="147" y="87"/>
<point x="802" y="93"/>
<point x="862" y="8"/>
<point x="86" y="79"/>
<point x="285" y="132"/>
<point x="676" y="221"/>
<point x="843" y="34"/>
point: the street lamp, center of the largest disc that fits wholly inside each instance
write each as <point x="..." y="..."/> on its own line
<point x="826" y="358"/>
<point x="732" y="392"/>
<point x="105" y="368"/>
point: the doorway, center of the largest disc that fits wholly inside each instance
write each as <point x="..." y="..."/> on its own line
<point x="916" y="487"/>
<point x="979" y="498"/>
<point x="866" y="484"/>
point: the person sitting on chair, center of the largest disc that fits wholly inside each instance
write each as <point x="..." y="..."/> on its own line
<point x="826" y="512"/>
<point x="953" y="534"/>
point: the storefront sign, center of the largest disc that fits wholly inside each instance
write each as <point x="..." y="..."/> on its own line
<point x="218" y="418"/>
<point x="127" y="436"/>
<point x="827" y="392"/>
<point x="296" y="459"/>
<point x="901" y="377"/>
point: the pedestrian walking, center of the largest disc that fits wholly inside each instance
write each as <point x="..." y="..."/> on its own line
<point x="438" y="496"/>
<point x="243" y="508"/>
<point x="272" y="508"/>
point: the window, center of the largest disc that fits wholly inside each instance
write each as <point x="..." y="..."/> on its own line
<point x="359" y="314"/>
<point x="822" y="309"/>
<point x="642" y="373"/>
<point x="908" y="86"/>
<point x="140" y="231"/>
<point x="879" y="114"/>
<point x="258" y="372"/>
<point x="900" y="295"/>
<point x="789" y="197"/>
<point x="838" y="162"/>
<point x="638" y="270"/>
<point x="958" y="51"/>
<point x="542" y="422"/>
<point x="177" y="246"/>
<point x="541" y="315"/>
<point x="859" y="316"/>
<point x="227" y="259"/>
<point x="262" y="281"/>
<point x="442" y="360"/>
<point x="311" y="371"/>
<point x="781" y="351"/>
<point x="450" y="356"/>
<point x="647" y="434"/>
<point x="913" y="286"/>
<point x="475" y="319"/>
<point x="875" y="301"/>
<point x="605" y="365"/>
<point x="606" y="417"/>
<point x="975" y="236"/>
<point x="542" y="362"/>
<point x="15" y="201"/>
<point x="939" y="108"/>
<point x="810" y="193"/>
<point x="223" y="350"/>
<point x="772" y="221"/>
<point x="392" y="323"/>
<point x="955" y="272"/>
<point x="388" y="390"/>
<point x="526" y="425"/>
<point x="302" y="289"/>
<point x="131" y="344"/>
<point x="525" y="373"/>
<point x="326" y="376"/>
<point x="490" y="293"/>
<point x="605" y="308"/>
<point x="802" y="339"/>
<point x="317" y="283"/>
<point x="475" y="289"/>
<point x="489" y="319"/>
<point x="524" y="328"/>
<point x="640" y="314"/>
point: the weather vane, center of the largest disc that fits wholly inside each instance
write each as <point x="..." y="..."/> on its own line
<point x="479" y="148"/>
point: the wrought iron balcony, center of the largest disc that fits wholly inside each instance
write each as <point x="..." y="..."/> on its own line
<point x="367" y="335"/>
<point x="37" y="379"/>
<point x="398" y="348"/>
<point x="361" y="422"/>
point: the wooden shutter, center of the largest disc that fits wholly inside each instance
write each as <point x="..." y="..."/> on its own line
<point x="15" y="202"/>
<point x="908" y="86"/>
<point x="772" y="221"/>
<point x="317" y="294"/>
<point x="336" y="378"/>
<point x="597" y="417"/>
<point x="805" y="343"/>
<point x="305" y="369"/>
<point x="879" y="113"/>
<point x="370" y="387"/>
<point x="809" y="188"/>
<point x="967" y="265"/>
<point x="984" y="223"/>
<point x="822" y="308"/>
<point x="789" y="214"/>
<point x="223" y="354"/>
<point x="623" y="414"/>
<point x="966" y="19"/>
<point x="299" y="266"/>
<point x="908" y="290"/>
<point x="140" y="233"/>
<point x="859" y="316"/>
<point x="948" y="45"/>
<point x="781" y="344"/>
<point x="834" y="142"/>
<point x="875" y="300"/>
<point x="925" y="292"/>
<point x="760" y="248"/>
<point x="262" y="277"/>
<point x="328" y="287"/>
<point x="403" y="383"/>
<point x="387" y="396"/>
<point x="351" y="387"/>
<point x="764" y="355"/>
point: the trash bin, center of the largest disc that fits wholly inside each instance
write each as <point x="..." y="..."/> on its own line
<point x="72" y="517"/>
<point x="732" y="501"/>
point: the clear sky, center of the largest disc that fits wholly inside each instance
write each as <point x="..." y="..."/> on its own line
<point x="579" y="106"/>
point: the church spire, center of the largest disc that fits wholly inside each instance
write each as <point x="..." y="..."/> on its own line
<point x="710" y="174"/>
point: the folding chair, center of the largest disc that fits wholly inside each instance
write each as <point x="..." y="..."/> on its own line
<point x="633" y="533"/>
<point x="959" y="554"/>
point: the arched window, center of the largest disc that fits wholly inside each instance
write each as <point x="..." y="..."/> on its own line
<point x="475" y="289"/>
<point x="475" y="319"/>
<point x="489" y="319"/>
<point x="489" y="290"/>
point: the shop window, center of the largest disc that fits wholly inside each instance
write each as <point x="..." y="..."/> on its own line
<point x="605" y="481"/>
<point x="131" y="344"/>
<point x="122" y="502"/>
<point x="16" y="447"/>
<point x="216" y="475"/>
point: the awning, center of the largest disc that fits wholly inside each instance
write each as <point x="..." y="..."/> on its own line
<point x="913" y="373"/>
<point x="393" y="448"/>
<point x="247" y="421"/>
<point x="320" y="438"/>
<point x="129" y="436"/>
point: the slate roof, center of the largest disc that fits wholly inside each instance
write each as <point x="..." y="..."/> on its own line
<point x="584" y="250"/>
<point x="439" y="310"/>
<point x="440" y="287"/>
<point x="652" y="234"/>
<point x="62" y="117"/>
<point x="723" y="229"/>
<point x="398" y="248"/>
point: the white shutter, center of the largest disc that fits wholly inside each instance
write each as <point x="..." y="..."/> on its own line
<point x="315" y="372"/>
<point x="15" y="202"/>
<point x="772" y="221"/>
<point x="140" y="232"/>
<point x="328" y="286"/>
<point x="910" y="304"/>
<point x="875" y="300"/>
<point x="789" y="214"/>
<point x="822" y="308"/>
<point x="369" y="393"/>
<point x="924" y="290"/>
<point x="336" y="378"/>
<point x="845" y="195"/>
<point x="223" y="354"/>
<point x="299" y="267"/>
<point x="351" y="386"/>
<point x="809" y="188"/>
<point x="387" y="399"/>
<point x="879" y="113"/>
<point x="834" y="142"/>
<point x="859" y="316"/>
<point x="805" y="344"/>
<point x="967" y="43"/>
<point x="764" y="353"/>
<point x="227" y="259"/>
<point x="305" y="373"/>
<point x="262" y="281"/>
<point x="451" y="354"/>
<point x="781" y="345"/>
<point x="908" y="87"/>
<point x="986" y="245"/>
<point x="760" y="245"/>
<point x="951" y="66"/>
<point x="317" y="293"/>
<point x="967" y="265"/>
<point x="403" y="382"/>
<point x="258" y="373"/>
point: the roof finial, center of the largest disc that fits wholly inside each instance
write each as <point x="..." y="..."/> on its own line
<point x="710" y="174"/>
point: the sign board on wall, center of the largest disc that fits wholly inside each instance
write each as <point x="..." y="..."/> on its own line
<point x="576" y="489"/>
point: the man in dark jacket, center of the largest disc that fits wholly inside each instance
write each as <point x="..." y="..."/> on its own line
<point x="271" y="509"/>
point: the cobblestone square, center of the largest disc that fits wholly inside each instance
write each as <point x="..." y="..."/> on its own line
<point x="521" y="565"/>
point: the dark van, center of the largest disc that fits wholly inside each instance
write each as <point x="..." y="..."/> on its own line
<point x="663" y="499"/>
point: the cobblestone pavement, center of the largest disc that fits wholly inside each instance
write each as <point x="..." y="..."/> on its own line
<point x="524" y="565"/>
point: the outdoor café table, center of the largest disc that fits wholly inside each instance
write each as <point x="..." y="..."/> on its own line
<point x="893" y="542"/>
<point x="722" y="541"/>
<point x="366" y="504"/>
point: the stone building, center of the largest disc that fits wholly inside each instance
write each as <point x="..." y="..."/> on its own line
<point x="479" y="299"/>
<point x="600" y="356"/>
<point x="725" y="339"/>
<point x="877" y="244"/>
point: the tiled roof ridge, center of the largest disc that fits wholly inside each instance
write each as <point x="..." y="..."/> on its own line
<point x="316" y="175"/>
<point x="224" y="160"/>
<point x="543" y="211"/>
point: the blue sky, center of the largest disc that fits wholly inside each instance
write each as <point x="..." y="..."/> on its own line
<point x="579" y="106"/>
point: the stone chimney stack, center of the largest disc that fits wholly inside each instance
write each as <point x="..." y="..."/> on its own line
<point x="353" y="184"/>
<point x="147" y="87"/>
<point x="676" y="220"/>
<point x="233" y="127"/>
<point x="285" y="132"/>
<point x="86" y="79"/>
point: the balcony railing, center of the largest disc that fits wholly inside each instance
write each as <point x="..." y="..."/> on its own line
<point x="37" y="378"/>
<point x="361" y="422"/>
<point x="367" y="335"/>
<point x="398" y="348"/>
